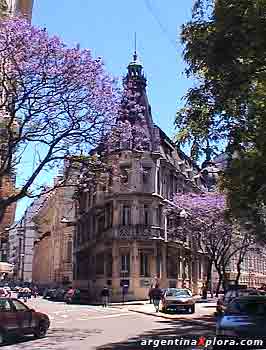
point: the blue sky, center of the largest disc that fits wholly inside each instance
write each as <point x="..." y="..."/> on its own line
<point x="107" y="28"/>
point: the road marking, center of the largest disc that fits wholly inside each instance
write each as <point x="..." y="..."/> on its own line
<point x="110" y="316"/>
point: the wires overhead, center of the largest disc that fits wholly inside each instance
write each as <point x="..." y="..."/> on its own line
<point x="159" y="22"/>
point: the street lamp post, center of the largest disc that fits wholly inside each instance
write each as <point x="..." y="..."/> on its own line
<point x="20" y="238"/>
<point x="22" y="266"/>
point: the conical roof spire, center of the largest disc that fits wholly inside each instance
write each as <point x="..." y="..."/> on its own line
<point x="135" y="67"/>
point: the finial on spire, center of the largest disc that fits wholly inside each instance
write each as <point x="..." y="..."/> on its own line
<point x="135" y="56"/>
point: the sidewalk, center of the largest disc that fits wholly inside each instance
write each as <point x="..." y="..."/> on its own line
<point x="126" y="303"/>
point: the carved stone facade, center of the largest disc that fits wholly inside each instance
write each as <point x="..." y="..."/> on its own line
<point x="122" y="233"/>
<point x="16" y="7"/>
<point x="52" y="252"/>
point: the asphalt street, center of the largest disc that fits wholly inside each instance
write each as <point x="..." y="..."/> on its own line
<point x="83" y="327"/>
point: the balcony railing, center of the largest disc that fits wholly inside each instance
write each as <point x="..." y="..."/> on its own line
<point x="131" y="232"/>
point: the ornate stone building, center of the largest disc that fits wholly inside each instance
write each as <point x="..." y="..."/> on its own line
<point x="122" y="235"/>
<point x="52" y="252"/>
<point x="21" y="242"/>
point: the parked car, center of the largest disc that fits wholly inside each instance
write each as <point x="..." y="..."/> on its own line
<point x="48" y="292"/>
<point x="175" y="298"/>
<point x="16" y="318"/>
<point x="2" y="292"/>
<point x="233" y="293"/>
<point x="77" y="296"/>
<point x="244" y="317"/>
<point x="58" y="294"/>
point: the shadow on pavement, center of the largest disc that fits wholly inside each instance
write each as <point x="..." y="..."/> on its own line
<point x="173" y="329"/>
<point x="53" y="339"/>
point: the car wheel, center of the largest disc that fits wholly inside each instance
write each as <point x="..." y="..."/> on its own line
<point x="2" y="338"/>
<point x="41" y="330"/>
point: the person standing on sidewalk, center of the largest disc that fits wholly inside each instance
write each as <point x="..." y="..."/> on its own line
<point x="156" y="295"/>
<point x="105" y="296"/>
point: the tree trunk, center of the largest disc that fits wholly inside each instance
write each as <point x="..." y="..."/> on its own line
<point x="238" y="266"/>
<point x="2" y="211"/>
<point x="218" y="285"/>
<point x="209" y="276"/>
<point x="224" y="280"/>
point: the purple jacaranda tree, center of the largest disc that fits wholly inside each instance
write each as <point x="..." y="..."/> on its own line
<point x="204" y="221"/>
<point x="55" y="101"/>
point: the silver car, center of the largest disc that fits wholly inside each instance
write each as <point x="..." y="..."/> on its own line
<point x="177" y="298"/>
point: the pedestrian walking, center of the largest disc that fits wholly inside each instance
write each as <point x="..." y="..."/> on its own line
<point x="35" y="291"/>
<point x="26" y="294"/>
<point x="150" y="294"/>
<point x="156" y="295"/>
<point x="20" y="293"/>
<point x="204" y="292"/>
<point x="105" y="296"/>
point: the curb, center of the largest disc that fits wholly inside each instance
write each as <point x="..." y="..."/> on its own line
<point x="171" y="318"/>
<point x="153" y="314"/>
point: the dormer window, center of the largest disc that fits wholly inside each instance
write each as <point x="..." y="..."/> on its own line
<point x="124" y="175"/>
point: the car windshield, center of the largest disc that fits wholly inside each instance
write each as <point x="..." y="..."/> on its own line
<point x="248" y="307"/>
<point x="231" y="294"/>
<point x="177" y="293"/>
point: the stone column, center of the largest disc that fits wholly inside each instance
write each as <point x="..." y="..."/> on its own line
<point x="115" y="268"/>
<point x="116" y="213"/>
<point x="163" y="280"/>
<point x="135" y="269"/>
<point x="195" y="275"/>
<point x="153" y="262"/>
<point x="179" y="269"/>
<point x="135" y="213"/>
<point x="157" y="169"/>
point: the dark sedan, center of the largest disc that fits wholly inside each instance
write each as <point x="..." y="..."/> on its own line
<point x="48" y="293"/>
<point x="16" y="318"/>
<point x="58" y="294"/>
<point x="244" y="317"/>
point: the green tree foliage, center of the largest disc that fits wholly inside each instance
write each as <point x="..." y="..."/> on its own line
<point x="225" y="50"/>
